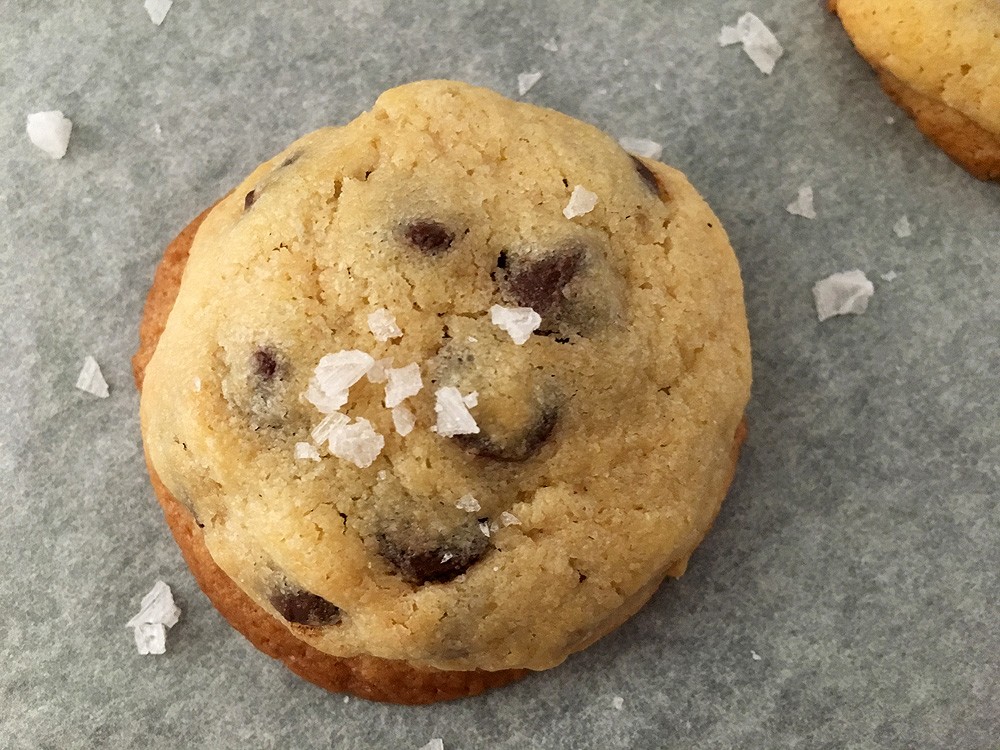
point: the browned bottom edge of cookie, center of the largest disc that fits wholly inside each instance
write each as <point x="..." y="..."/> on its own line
<point x="369" y="677"/>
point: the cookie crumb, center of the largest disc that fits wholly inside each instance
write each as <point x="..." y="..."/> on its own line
<point x="383" y="326"/>
<point x="519" y="322"/>
<point x="468" y="503"/>
<point x="306" y="452"/>
<point x="641" y="147"/>
<point x="157" y="612"/>
<point x="581" y="202"/>
<point x="525" y="81"/>
<point x="803" y="205"/>
<point x="889" y="276"/>
<point x="357" y="442"/>
<point x="196" y="385"/>
<point x="403" y="420"/>
<point x="50" y="132"/>
<point x="758" y="42"/>
<point x="91" y="380"/>
<point x="755" y="656"/>
<point x="551" y="45"/>
<point x="617" y="703"/>
<point x="509" y="519"/>
<point x="435" y="744"/>
<point x="401" y="383"/>
<point x="334" y="376"/>
<point x="902" y="227"/>
<point x="484" y="527"/>
<point x="157" y="9"/>
<point x="453" y="417"/>
<point x="842" y="294"/>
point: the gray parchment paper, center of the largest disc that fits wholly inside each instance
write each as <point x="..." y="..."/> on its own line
<point x="857" y="555"/>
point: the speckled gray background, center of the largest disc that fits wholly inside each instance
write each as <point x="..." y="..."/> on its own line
<point x="858" y="552"/>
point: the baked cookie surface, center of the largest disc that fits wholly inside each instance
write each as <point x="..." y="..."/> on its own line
<point x="599" y="450"/>
<point x="941" y="63"/>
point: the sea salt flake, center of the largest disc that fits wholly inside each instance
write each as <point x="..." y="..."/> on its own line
<point x="617" y="703"/>
<point x="334" y="375"/>
<point x="157" y="612"/>
<point x="755" y="656"/>
<point x="485" y="528"/>
<point x="356" y="442"/>
<point x="641" y="147"/>
<point x="196" y="385"/>
<point x="383" y="326"/>
<point x="435" y="744"/>
<point x="519" y="322"/>
<point x="889" y="276"/>
<point x="347" y="699"/>
<point x="157" y="9"/>
<point x="90" y="380"/>
<point x="446" y="556"/>
<point x="401" y="383"/>
<point x="50" y="132"/>
<point x="581" y="202"/>
<point x="306" y="452"/>
<point x="803" y="205"/>
<point x="509" y="519"/>
<point x="468" y="503"/>
<point x="321" y="432"/>
<point x="890" y="120"/>
<point x="403" y="420"/>
<point x="453" y="417"/>
<point x="551" y="46"/>
<point x="758" y="42"/>
<point x="842" y="294"/>
<point x="378" y="372"/>
<point x="525" y="81"/>
<point x="150" y="638"/>
<point x="471" y="399"/>
<point x="902" y="227"/>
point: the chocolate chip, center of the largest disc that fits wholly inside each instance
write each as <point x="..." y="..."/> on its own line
<point x="439" y="561"/>
<point x="304" y="608"/>
<point x="428" y="236"/>
<point x="264" y="363"/>
<point x="290" y="160"/>
<point x="250" y="199"/>
<point x="538" y="284"/>
<point x="512" y="448"/>
<point x="646" y="174"/>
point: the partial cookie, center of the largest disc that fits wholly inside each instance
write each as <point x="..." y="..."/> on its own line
<point x="941" y="63"/>
<point x="573" y="385"/>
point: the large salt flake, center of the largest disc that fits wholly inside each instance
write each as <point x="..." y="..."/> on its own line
<point x="157" y="9"/>
<point x="403" y="420"/>
<point x="50" y="132"/>
<point x="157" y="612"/>
<point x="842" y="294"/>
<point x="334" y="375"/>
<point x="90" y="380"/>
<point x="356" y="442"/>
<point x="581" y="201"/>
<point x="519" y="322"/>
<point x="453" y="416"/>
<point x="525" y="81"/>
<point x="803" y="205"/>
<point x="383" y="325"/>
<point x="758" y="42"/>
<point x="641" y="147"/>
<point x="401" y="383"/>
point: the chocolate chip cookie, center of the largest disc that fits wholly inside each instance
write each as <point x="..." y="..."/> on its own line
<point x="417" y="425"/>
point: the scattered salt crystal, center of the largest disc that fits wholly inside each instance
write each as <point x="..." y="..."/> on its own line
<point x="641" y="147"/>
<point x="401" y="383"/>
<point x="403" y="420"/>
<point x="484" y="527"/>
<point x="446" y="556"/>
<point x="435" y="744"/>
<point x="551" y="46"/>
<point x="50" y="132"/>
<point x="357" y="442"/>
<point x="525" y="81"/>
<point x="842" y="294"/>
<point x="383" y="326"/>
<point x="759" y="43"/>
<point x="890" y="120"/>
<point x="196" y="385"/>
<point x="509" y="519"/>
<point x="157" y="9"/>
<point x="453" y="417"/>
<point x="334" y="375"/>
<point x="378" y="372"/>
<point x="658" y="86"/>
<point x="157" y="129"/>
<point x="90" y="379"/>
<point x="382" y="474"/>
<point x="581" y="202"/>
<point x="157" y="612"/>
<point x="902" y="227"/>
<point x="347" y="698"/>
<point x="321" y="432"/>
<point x="471" y="399"/>
<point x="468" y="503"/>
<point x="803" y="205"/>
<point x="755" y="656"/>
<point x="306" y="451"/>
<point x="889" y="276"/>
<point x="519" y="322"/>
<point x="617" y="703"/>
<point x="472" y="339"/>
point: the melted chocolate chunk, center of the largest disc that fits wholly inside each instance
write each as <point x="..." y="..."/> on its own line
<point x="428" y="236"/>
<point x="538" y="284"/>
<point x="250" y="199"/>
<point x="646" y="175"/>
<point x="437" y="562"/>
<point x="512" y="448"/>
<point x="305" y="608"/>
<point x="264" y="363"/>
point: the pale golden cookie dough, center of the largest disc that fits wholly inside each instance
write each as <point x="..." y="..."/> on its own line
<point x="609" y="435"/>
<point x="940" y="61"/>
